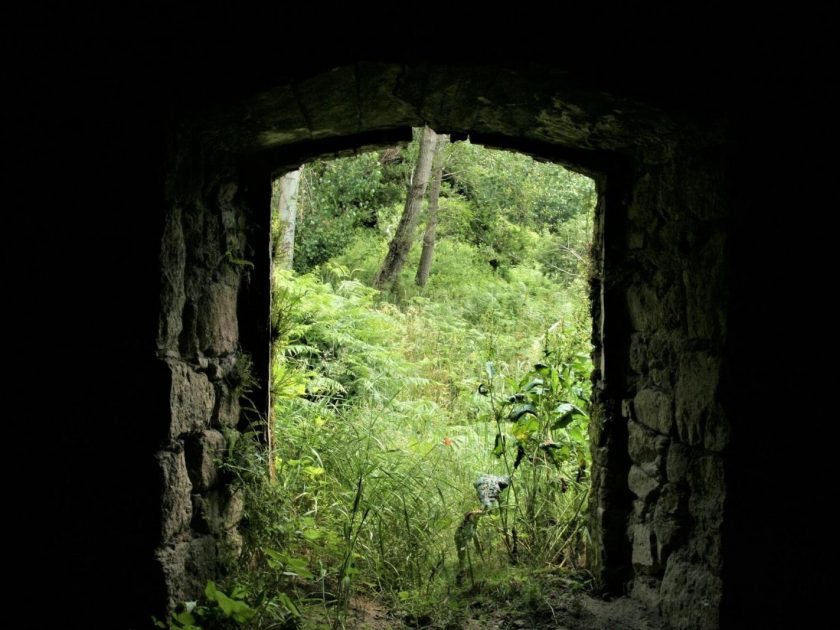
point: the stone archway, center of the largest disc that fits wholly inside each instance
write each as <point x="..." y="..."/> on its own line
<point x="661" y="429"/>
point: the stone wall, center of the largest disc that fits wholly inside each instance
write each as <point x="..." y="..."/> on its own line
<point x="214" y="262"/>
<point x="659" y="431"/>
<point x="665" y="284"/>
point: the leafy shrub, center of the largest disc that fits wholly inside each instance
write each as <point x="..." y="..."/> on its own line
<point x="388" y="407"/>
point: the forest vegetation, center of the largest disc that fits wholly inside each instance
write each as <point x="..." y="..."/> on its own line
<point x="429" y="456"/>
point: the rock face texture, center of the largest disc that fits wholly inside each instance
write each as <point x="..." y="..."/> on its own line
<point x="154" y="160"/>
<point x="213" y="262"/>
<point x="660" y="439"/>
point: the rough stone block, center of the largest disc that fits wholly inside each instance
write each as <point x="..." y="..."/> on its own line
<point x="192" y="400"/>
<point x="677" y="461"/>
<point x="217" y="324"/>
<point x="228" y="410"/>
<point x="172" y="560"/>
<point x="233" y="510"/>
<point x="708" y="490"/>
<point x="201" y="562"/>
<point x="646" y="448"/>
<point x="644" y="557"/>
<point x="635" y="239"/>
<point x="699" y="420"/>
<point x="644" y="308"/>
<point x="326" y="108"/>
<point x="203" y="452"/>
<point x="638" y="353"/>
<point x="217" y="512"/>
<point x="654" y="410"/>
<point x="230" y="545"/>
<point x="641" y="484"/>
<point x="669" y="520"/>
<point x="172" y="296"/>
<point x="646" y="590"/>
<point x="284" y="122"/>
<point x="203" y="514"/>
<point x="187" y="566"/>
<point x="176" y="504"/>
<point x="627" y="409"/>
<point x="661" y="377"/>
<point x="690" y="595"/>
<point x="377" y="94"/>
<point x="639" y="509"/>
<point x="215" y="372"/>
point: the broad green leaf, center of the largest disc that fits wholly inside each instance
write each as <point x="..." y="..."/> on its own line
<point x="299" y="567"/>
<point x="520" y="410"/>
<point x="312" y="534"/>
<point x="184" y="618"/>
<point x="532" y="384"/>
<point x="555" y="379"/>
<point x="210" y="590"/>
<point x="525" y="428"/>
<point x="577" y="434"/>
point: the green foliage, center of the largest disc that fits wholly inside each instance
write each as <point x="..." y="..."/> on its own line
<point x="216" y="611"/>
<point x="264" y="577"/>
<point x="240" y="378"/>
<point x="542" y="429"/>
<point x="382" y="431"/>
<point x="507" y="189"/>
<point x="498" y="201"/>
<point x="388" y="407"/>
<point x="339" y="197"/>
<point x="339" y="340"/>
<point x="564" y="254"/>
<point x="535" y="193"/>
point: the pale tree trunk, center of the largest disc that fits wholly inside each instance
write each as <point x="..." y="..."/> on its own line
<point x="287" y="212"/>
<point x="425" y="265"/>
<point x="403" y="238"/>
<point x="284" y="203"/>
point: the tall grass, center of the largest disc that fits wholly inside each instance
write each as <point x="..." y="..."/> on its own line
<point x="386" y="413"/>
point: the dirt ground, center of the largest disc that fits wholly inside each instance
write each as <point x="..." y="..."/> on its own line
<point x="562" y="610"/>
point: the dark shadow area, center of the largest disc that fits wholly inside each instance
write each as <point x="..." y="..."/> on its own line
<point x="100" y="108"/>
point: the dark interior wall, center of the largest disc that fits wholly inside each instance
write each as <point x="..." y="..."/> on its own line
<point x="667" y="296"/>
<point x="212" y="340"/>
<point x="99" y="121"/>
<point x="777" y="540"/>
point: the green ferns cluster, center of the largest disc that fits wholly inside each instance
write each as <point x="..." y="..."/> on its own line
<point x="386" y="409"/>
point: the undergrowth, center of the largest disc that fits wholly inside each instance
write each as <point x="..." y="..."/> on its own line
<point x="388" y="408"/>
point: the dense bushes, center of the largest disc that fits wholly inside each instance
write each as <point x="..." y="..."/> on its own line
<point x="388" y="407"/>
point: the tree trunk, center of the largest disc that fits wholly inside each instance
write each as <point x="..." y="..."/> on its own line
<point x="425" y="265"/>
<point x="403" y="238"/>
<point x="284" y="203"/>
<point x="287" y="210"/>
